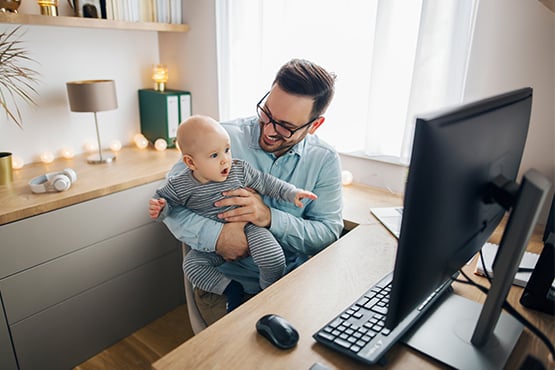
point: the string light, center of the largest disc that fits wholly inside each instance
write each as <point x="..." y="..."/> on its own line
<point x="90" y="147"/>
<point x="17" y="162"/>
<point x="140" y="141"/>
<point x="47" y="157"/>
<point x="115" y="145"/>
<point x="160" y="144"/>
<point x="346" y="178"/>
<point x="67" y="153"/>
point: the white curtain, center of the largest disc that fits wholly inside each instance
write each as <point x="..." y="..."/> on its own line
<point x="393" y="60"/>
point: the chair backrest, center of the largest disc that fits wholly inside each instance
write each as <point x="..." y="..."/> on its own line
<point x="197" y="322"/>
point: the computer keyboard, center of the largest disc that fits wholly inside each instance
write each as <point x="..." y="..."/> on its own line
<point x="359" y="331"/>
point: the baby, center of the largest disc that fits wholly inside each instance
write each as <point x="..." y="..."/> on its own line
<point x="206" y="151"/>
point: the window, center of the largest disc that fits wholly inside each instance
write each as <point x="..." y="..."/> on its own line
<point x="393" y="59"/>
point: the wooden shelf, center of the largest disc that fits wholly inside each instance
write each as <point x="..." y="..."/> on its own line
<point x="59" y="21"/>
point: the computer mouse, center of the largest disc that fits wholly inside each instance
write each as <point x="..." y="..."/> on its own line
<point x="278" y="331"/>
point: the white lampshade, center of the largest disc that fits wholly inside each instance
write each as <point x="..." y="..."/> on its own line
<point x="93" y="96"/>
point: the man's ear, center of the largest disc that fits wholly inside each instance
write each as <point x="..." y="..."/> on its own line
<point x="317" y="123"/>
<point x="189" y="161"/>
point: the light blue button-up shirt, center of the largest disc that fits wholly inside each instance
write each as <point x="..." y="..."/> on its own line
<point x="302" y="232"/>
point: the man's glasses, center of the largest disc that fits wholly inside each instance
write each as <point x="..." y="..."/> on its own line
<point x="280" y="128"/>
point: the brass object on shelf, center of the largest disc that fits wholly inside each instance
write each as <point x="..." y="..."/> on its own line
<point x="48" y="7"/>
<point x="9" y="6"/>
<point x="6" y="172"/>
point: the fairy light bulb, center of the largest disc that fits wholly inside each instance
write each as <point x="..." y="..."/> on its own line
<point x="67" y="153"/>
<point x="47" y="157"/>
<point x="17" y="162"/>
<point x="140" y="141"/>
<point x="346" y="178"/>
<point x="89" y="146"/>
<point x="115" y="145"/>
<point x="160" y="144"/>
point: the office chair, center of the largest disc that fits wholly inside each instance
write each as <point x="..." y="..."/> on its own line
<point x="198" y="323"/>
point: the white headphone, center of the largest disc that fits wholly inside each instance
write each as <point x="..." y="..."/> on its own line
<point x="54" y="181"/>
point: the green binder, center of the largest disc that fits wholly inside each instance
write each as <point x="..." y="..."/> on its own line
<point x="161" y="113"/>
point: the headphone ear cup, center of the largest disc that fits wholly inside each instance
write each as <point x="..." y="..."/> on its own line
<point x="61" y="182"/>
<point x="70" y="173"/>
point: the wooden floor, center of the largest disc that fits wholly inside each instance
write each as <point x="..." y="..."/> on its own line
<point x="145" y="346"/>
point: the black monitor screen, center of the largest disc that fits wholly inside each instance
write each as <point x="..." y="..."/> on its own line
<point x="447" y="212"/>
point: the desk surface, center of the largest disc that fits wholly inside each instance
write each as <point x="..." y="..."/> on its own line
<point x="315" y="292"/>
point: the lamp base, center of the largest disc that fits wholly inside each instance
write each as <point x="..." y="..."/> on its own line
<point x="97" y="159"/>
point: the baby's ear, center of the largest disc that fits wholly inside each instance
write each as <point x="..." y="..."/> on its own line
<point x="189" y="161"/>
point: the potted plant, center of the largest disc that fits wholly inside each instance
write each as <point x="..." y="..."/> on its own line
<point x="16" y="80"/>
<point x="16" y="84"/>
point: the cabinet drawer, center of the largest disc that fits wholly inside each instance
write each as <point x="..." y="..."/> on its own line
<point x="40" y="287"/>
<point x="7" y="357"/>
<point x="41" y="238"/>
<point x="74" y="330"/>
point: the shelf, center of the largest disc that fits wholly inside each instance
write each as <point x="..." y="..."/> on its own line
<point x="59" y="21"/>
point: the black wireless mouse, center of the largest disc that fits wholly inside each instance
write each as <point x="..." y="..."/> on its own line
<point x="278" y="331"/>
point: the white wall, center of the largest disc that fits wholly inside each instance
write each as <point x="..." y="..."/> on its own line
<point x="66" y="54"/>
<point x="515" y="48"/>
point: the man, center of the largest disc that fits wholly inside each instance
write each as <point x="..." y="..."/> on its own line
<point x="279" y="141"/>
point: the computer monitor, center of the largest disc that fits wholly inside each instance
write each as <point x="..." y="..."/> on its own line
<point x="462" y="179"/>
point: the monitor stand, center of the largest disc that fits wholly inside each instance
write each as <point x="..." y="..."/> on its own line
<point x="446" y="331"/>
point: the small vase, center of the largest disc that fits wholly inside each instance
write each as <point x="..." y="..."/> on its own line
<point x="6" y="173"/>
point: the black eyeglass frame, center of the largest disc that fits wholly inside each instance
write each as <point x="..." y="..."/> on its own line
<point x="276" y="123"/>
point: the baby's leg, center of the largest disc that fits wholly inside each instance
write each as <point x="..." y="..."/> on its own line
<point x="266" y="253"/>
<point x="200" y="269"/>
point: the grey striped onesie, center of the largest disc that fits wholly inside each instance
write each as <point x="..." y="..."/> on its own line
<point x="201" y="267"/>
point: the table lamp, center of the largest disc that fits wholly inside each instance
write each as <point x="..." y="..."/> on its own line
<point x="160" y="77"/>
<point x="93" y="96"/>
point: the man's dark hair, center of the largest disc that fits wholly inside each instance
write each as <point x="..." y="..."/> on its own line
<point x="302" y="77"/>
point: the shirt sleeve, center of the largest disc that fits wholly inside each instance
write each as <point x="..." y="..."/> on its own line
<point x="322" y="221"/>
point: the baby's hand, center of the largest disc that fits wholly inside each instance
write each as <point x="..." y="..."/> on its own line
<point x="155" y="206"/>
<point x="301" y="194"/>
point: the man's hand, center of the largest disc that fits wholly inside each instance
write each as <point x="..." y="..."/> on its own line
<point x="250" y="208"/>
<point x="232" y="242"/>
<point x="155" y="206"/>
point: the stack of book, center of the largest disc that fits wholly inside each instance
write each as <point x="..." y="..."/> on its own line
<point x="160" y="11"/>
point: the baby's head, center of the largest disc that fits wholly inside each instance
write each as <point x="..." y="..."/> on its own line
<point x="196" y="131"/>
<point x="205" y="148"/>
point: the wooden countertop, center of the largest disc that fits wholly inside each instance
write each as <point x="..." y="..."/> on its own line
<point x="131" y="168"/>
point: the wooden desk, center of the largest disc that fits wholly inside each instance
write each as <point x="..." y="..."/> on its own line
<point x="314" y="293"/>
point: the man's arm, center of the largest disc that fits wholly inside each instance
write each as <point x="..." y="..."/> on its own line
<point x="304" y="231"/>
<point x="321" y="223"/>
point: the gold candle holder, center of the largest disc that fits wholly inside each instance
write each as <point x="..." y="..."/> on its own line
<point x="160" y="77"/>
<point x="6" y="172"/>
<point x="48" y="7"/>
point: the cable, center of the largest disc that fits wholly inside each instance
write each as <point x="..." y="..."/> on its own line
<point x="512" y="311"/>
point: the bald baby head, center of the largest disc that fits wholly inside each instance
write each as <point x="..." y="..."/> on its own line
<point x="197" y="132"/>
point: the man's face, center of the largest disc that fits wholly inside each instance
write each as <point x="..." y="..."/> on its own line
<point x="288" y="111"/>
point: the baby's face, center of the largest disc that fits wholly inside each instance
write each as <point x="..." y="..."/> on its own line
<point x="213" y="159"/>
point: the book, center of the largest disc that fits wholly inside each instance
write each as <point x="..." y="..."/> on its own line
<point x="161" y="112"/>
<point x="527" y="264"/>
